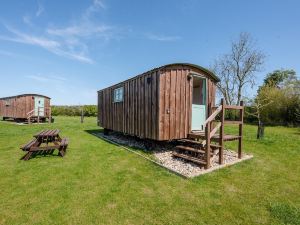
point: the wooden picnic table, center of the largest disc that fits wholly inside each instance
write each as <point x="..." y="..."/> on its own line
<point x="45" y="142"/>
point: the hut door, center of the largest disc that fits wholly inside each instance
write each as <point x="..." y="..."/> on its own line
<point x="39" y="104"/>
<point x="199" y="103"/>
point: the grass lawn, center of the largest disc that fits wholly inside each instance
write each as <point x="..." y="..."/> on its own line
<point x="99" y="183"/>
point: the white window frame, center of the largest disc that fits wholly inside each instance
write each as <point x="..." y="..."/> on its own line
<point x="119" y="94"/>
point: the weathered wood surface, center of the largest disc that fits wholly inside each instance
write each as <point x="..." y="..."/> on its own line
<point x="45" y="142"/>
<point x="138" y="113"/>
<point x="216" y="137"/>
<point x="157" y="104"/>
<point x="20" y="105"/>
<point x="204" y="148"/>
<point x="189" y="158"/>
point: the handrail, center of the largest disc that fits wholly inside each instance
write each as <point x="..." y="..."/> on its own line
<point x="210" y="132"/>
<point x="30" y="112"/>
<point x="212" y="116"/>
<point x="214" y="131"/>
<point x="46" y="110"/>
<point x="233" y="107"/>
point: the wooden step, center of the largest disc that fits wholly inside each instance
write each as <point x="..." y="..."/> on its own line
<point x="190" y="141"/>
<point x="189" y="158"/>
<point x="190" y="149"/>
<point x="213" y="146"/>
<point x="201" y="135"/>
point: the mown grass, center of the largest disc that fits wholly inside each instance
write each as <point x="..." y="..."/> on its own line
<point x="99" y="183"/>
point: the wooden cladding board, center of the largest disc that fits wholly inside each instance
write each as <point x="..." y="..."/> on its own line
<point x="175" y="101"/>
<point x="19" y="106"/>
<point x="174" y="104"/>
<point x="156" y="105"/>
<point x="137" y="113"/>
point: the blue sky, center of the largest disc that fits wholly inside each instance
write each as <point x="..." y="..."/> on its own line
<point x="68" y="50"/>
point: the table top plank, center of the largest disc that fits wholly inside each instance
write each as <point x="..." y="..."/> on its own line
<point x="51" y="133"/>
<point x="47" y="133"/>
<point x="44" y="148"/>
<point x="56" y="132"/>
<point x="39" y="133"/>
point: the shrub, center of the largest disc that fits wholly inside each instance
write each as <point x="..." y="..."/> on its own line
<point x="88" y="110"/>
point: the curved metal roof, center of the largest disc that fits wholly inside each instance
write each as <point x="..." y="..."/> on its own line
<point x="217" y="79"/>
<point x="14" y="96"/>
<point x="210" y="73"/>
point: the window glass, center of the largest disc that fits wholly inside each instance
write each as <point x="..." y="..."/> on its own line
<point x="118" y="94"/>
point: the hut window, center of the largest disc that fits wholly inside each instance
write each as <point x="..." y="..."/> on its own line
<point x="118" y="94"/>
<point x="7" y="103"/>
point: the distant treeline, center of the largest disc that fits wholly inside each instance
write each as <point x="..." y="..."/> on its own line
<point x="88" y="110"/>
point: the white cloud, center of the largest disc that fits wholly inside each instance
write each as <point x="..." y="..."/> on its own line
<point x="51" y="45"/>
<point x="156" y="37"/>
<point x="96" y="6"/>
<point x="84" y="27"/>
<point x="59" y="78"/>
<point x="81" y="30"/>
<point x="46" y="79"/>
<point x="27" y="20"/>
<point x="40" y="10"/>
<point x="71" y="41"/>
<point x="38" y="78"/>
<point x="29" y="39"/>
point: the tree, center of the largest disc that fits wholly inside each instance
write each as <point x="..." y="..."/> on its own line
<point x="258" y="105"/>
<point x="279" y="78"/>
<point x="237" y="69"/>
<point x="284" y="91"/>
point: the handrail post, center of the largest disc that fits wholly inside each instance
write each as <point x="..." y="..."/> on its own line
<point x="221" y="139"/>
<point x="38" y="115"/>
<point x="241" y="130"/>
<point x="50" y="116"/>
<point x="207" y="152"/>
<point x="29" y="118"/>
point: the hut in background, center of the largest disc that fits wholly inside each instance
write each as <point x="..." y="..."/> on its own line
<point x="26" y="107"/>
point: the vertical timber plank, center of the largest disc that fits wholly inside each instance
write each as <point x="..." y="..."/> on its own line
<point x="162" y="105"/>
<point x="177" y="104"/>
<point x="166" y="127"/>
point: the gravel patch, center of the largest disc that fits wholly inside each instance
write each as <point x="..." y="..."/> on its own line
<point x="190" y="169"/>
<point x="162" y="153"/>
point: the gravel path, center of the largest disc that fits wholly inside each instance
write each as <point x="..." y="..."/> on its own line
<point x="162" y="152"/>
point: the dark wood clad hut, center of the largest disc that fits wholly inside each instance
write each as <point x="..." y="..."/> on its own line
<point x="25" y="107"/>
<point x="165" y="103"/>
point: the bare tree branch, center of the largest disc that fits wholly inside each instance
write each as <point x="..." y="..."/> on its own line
<point x="237" y="69"/>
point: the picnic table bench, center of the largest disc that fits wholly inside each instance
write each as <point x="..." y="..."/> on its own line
<point x="45" y="142"/>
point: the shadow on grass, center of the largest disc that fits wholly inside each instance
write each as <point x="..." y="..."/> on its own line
<point x="42" y="154"/>
<point x="145" y="146"/>
<point x="22" y="122"/>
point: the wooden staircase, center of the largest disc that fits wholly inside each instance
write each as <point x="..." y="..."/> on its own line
<point x="201" y="147"/>
<point x="32" y="117"/>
